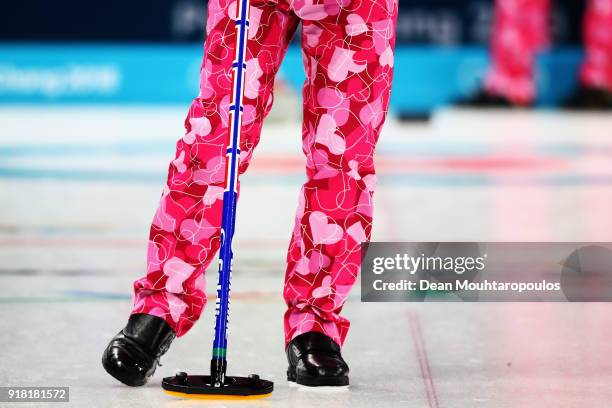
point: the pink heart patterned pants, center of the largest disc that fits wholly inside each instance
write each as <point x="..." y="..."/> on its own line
<point x="521" y="30"/>
<point x="347" y="50"/>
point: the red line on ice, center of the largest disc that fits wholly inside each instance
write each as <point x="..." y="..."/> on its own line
<point x="421" y="352"/>
<point x="112" y="243"/>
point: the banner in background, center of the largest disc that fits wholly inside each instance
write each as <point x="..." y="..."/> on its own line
<point x="426" y="77"/>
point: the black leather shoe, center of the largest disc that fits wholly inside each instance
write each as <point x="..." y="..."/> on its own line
<point x="585" y="99"/>
<point x="314" y="360"/>
<point x="133" y="354"/>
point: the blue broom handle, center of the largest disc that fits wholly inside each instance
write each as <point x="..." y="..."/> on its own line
<point x="230" y="195"/>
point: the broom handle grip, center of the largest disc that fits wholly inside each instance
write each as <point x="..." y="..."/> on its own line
<point x="230" y="195"/>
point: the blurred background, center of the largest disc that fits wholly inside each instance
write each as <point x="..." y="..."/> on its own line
<point x="71" y="52"/>
<point x="92" y="101"/>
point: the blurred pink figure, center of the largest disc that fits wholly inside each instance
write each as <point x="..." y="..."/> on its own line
<point x="521" y="29"/>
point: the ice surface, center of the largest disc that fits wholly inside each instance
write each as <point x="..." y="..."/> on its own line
<point x="79" y="185"/>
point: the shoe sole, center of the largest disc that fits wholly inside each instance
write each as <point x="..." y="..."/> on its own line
<point x="120" y="375"/>
<point x="319" y="381"/>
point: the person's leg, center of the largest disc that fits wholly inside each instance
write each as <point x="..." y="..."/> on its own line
<point x="594" y="91"/>
<point x="348" y="55"/>
<point x="185" y="233"/>
<point x="596" y="70"/>
<point x="520" y="29"/>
